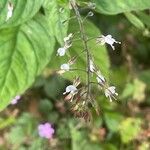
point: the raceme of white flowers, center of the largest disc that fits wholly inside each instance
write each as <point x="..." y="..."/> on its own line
<point x="72" y="90"/>
<point x="107" y="39"/>
<point x="9" y="11"/>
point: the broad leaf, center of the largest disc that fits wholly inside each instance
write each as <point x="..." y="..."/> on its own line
<point x="25" y="50"/>
<point x="23" y="10"/>
<point x="112" y="7"/>
<point x="113" y="120"/>
<point x="129" y="129"/>
<point x="98" y="52"/>
<point x="58" y="14"/>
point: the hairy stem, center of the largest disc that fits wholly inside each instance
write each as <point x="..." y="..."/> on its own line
<point x="85" y="40"/>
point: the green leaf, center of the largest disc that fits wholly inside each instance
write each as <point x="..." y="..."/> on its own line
<point x="80" y="140"/>
<point x="45" y="106"/>
<point x="113" y="120"/>
<point x="6" y="122"/>
<point x="58" y="13"/>
<point x="54" y="86"/>
<point x="135" y="90"/>
<point x="139" y="90"/>
<point x="128" y="91"/>
<point x="16" y="134"/>
<point x="25" y="51"/>
<point x="135" y="20"/>
<point x="129" y="129"/>
<point x="145" y="77"/>
<point x="98" y="52"/>
<point x="23" y="10"/>
<point x="119" y="6"/>
<point x="145" y="18"/>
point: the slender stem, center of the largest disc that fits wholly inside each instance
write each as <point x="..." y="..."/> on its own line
<point x="84" y="39"/>
<point x="69" y="19"/>
<point x="73" y="69"/>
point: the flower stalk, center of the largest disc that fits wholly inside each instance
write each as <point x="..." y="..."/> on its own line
<point x="84" y="40"/>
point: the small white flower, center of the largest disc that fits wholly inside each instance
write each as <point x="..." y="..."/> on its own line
<point x="111" y="93"/>
<point x="61" y="51"/>
<point x="92" y="68"/>
<point x="68" y="37"/>
<point x="65" y="67"/>
<point x="9" y="11"/>
<point x="100" y="79"/>
<point x="107" y="39"/>
<point x="71" y="89"/>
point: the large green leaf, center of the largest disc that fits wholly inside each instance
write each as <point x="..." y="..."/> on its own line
<point x="25" y="50"/>
<point x="23" y="10"/>
<point x="98" y="52"/>
<point x="112" y="7"/>
<point x="58" y="13"/>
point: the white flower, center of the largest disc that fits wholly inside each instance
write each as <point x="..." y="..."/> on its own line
<point x="67" y="43"/>
<point x="61" y="51"/>
<point x="100" y="79"/>
<point x="65" y="67"/>
<point x="71" y="89"/>
<point x="111" y="93"/>
<point x="92" y="68"/>
<point x="68" y="37"/>
<point x="9" y="11"/>
<point x="107" y="39"/>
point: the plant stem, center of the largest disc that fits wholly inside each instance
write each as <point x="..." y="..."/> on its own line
<point x="85" y="40"/>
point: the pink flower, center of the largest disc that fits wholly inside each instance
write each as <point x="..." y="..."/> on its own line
<point x="45" y="130"/>
<point x="15" y="100"/>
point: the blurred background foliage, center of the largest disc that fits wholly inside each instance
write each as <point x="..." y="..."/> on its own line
<point x="121" y="125"/>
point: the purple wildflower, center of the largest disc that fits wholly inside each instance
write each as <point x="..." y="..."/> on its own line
<point x="45" y="130"/>
<point x="15" y="100"/>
